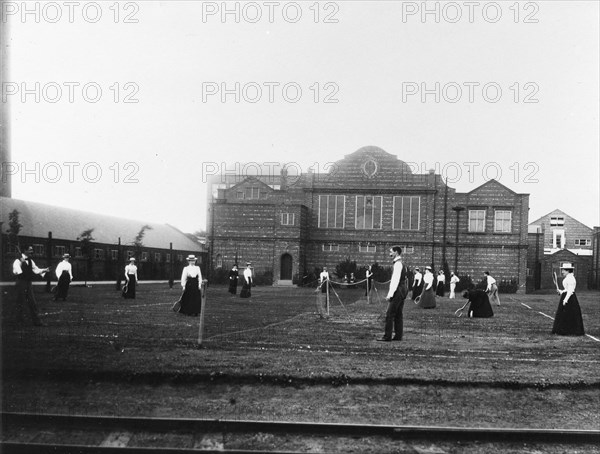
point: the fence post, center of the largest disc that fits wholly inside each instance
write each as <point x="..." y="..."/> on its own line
<point x="202" y="306"/>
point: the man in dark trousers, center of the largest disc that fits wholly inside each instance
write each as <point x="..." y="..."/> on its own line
<point x="395" y="297"/>
<point x="24" y="269"/>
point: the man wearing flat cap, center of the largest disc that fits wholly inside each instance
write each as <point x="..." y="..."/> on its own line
<point x="25" y="270"/>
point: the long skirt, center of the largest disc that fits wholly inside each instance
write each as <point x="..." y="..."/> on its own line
<point x="233" y="286"/>
<point x="417" y="290"/>
<point x="246" y="289"/>
<point x="369" y="285"/>
<point x="481" y="308"/>
<point x="439" y="291"/>
<point x="191" y="299"/>
<point x="494" y="298"/>
<point x="62" y="288"/>
<point x="568" y="320"/>
<point x="427" y="299"/>
<point x="129" y="293"/>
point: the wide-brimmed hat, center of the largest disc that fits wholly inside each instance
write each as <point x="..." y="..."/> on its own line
<point x="428" y="268"/>
<point x="66" y="256"/>
<point x="417" y="269"/>
<point x="191" y="257"/>
<point x="567" y="266"/>
<point x="248" y="263"/>
<point x="132" y="259"/>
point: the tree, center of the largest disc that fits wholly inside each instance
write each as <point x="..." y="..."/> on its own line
<point x="14" y="227"/>
<point x="86" y="239"/>
<point x="138" y="243"/>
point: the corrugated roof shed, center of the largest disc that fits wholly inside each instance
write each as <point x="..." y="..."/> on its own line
<point x="67" y="224"/>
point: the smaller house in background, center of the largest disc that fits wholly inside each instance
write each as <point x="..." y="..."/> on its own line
<point x="556" y="238"/>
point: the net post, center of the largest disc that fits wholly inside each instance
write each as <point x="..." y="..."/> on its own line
<point x="327" y="296"/>
<point x="202" y="306"/>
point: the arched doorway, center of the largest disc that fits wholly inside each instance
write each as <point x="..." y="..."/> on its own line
<point x="286" y="268"/>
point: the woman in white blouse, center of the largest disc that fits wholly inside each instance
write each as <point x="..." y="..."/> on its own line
<point x="568" y="320"/>
<point x="492" y="289"/>
<point x="64" y="273"/>
<point x="131" y="279"/>
<point x="427" y="300"/>
<point x="191" y="281"/>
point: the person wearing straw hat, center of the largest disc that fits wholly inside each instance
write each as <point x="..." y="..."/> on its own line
<point x="492" y="289"/>
<point x="131" y="278"/>
<point x="441" y="282"/>
<point x="25" y="269"/>
<point x="191" y="281"/>
<point x="427" y="299"/>
<point x="396" y="295"/>
<point x="64" y="273"/>
<point x="568" y="320"/>
<point x="247" y="282"/>
<point x="417" y="287"/>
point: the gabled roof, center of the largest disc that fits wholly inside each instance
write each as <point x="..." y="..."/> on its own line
<point x="558" y="212"/>
<point x="251" y="180"/>
<point x="495" y="183"/>
<point x="67" y="224"/>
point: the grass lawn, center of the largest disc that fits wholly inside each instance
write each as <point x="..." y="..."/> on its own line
<point x="271" y="357"/>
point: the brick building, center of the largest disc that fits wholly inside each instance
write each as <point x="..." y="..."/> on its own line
<point x="155" y="260"/>
<point x="368" y="201"/>
<point x="556" y="238"/>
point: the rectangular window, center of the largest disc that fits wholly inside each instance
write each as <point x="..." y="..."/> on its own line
<point x="239" y="195"/>
<point x="157" y="256"/>
<point x="38" y="249"/>
<point x="558" y="239"/>
<point x="168" y="258"/>
<point x="59" y="251"/>
<point x="129" y="254"/>
<point x="367" y="248"/>
<point x="331" y="211"/>
<point x="179" y="257"/>
<point x="78" y="252"/>
<point x="408" y="249"/>
<point x="252" y="192"/>
<point x="98" y="253"/>
<point x="476" y="220"/>
<point x="287" y="218"/>
<point x="502" y="221"/>
<point x="583" y="242"/>
<point x="114" y="254"/>
<point x="368" y="212"/>
<point x="330" y="247"/>
<point x="557" y="220"/>
<point x="144" y="256"/>
<point x="407" y="213"/>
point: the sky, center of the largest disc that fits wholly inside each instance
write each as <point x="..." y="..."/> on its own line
<point x="125" y="108"/>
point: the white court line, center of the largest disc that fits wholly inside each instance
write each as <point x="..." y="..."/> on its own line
<point x="552" y="318"/>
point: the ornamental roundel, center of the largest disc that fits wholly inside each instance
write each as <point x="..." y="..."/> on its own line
<point x="370" y="168"/>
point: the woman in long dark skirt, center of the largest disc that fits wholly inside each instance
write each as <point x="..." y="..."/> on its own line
<point x="427" y="300"/>
<point x="568" y="320"/>
<point x="65" y="276"/>
<point x="417" y="287"/>
<point x="441" y="282"/>
<point x="479" y="306"/>
<point x="247" y="282"/>
<point x="233" y="279"/>
<point x="131" y="279"/>
<point x="191" y="280"/>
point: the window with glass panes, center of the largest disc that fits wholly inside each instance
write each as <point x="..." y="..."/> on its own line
<point x="476" y="220"/>
<point x="331" y="211"/>
<point x="368" y="212"/>
<point x="502" y="221"/>
<point x="407" y="214"/>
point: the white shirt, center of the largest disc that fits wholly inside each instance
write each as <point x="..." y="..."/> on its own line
<point x="64" y="266"/>
<point x="131" y="269"/>
<point x="569" y="283"/>
<point x="428" y="279"/>
<point x="17" y="266"/>
<point x="191" y="271"/>
<point x="441" y="278"/>
<point x="324" y="276"/>
<point x="396" y="273"/>
<point x="490" y="281"/>
<point x="454" y="279"/>
<point x="418" y="277"/>
<point x="248" y="275"/>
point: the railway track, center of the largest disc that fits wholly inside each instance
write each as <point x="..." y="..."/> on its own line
<point x="51" y="433"/>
